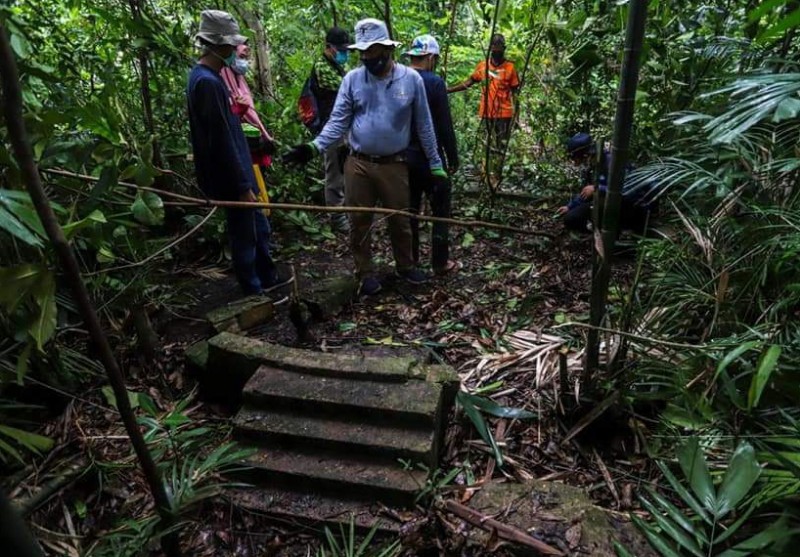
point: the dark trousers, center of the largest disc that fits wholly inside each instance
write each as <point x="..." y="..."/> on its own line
<point x="421" y="182"/>
<point x="248" y="232"/>
<point x="632" y="217"/>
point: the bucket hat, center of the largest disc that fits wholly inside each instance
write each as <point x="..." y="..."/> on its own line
<point x="219" y="28"/>
<point x="369" y="32"/>
<point x="424" y="45"/>
<point x="579" y="144"/>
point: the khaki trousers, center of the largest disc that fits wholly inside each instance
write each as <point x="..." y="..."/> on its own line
<point x="365" y="185"/>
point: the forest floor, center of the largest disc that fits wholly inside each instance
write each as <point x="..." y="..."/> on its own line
<point x="508" y="283"/>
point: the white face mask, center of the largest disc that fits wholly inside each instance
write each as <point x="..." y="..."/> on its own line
<point x="241" y="66"/>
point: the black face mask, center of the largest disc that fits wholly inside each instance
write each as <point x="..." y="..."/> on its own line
<point x="376" y="66"/>
<point x="498" y="57"/>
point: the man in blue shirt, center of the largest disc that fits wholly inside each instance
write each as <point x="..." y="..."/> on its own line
<point x="377" y="107"/>
<point x="638" y="203"/>
<point x="222" y="157"/>
<point x="424" y="54"/>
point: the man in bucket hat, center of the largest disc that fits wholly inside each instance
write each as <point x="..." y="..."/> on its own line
<point x="378" y="106"/>
<point x="222" y="157"/>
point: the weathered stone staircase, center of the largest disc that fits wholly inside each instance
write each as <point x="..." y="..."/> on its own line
<point x="334" y="435"/>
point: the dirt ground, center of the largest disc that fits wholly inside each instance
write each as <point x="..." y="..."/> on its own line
<point x="508" y="282"/>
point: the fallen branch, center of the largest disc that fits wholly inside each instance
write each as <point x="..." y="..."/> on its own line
<point x="303" y="207"/>
<point x="504" y="531"/>
<point x="640" y="338"/>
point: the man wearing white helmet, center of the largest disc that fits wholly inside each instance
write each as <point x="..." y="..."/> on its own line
<point x="378" y="106"/>
<point x="424" y="54"/>
<point x="221" y="155"/>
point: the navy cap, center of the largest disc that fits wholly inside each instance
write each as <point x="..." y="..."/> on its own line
<point x="580" y="144"/>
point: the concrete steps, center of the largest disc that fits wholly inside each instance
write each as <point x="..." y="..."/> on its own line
<point x="332" y="434"/>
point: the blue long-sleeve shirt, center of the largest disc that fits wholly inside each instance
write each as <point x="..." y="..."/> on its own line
<point x="379" y="114"/>
<point x="439" y="105"/>
<point x="221" y="155"/>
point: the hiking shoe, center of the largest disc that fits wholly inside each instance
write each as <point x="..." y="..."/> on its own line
<point x="276" y="281"/>
<point x="369" y="286"/>
<point x="412" y="276"/>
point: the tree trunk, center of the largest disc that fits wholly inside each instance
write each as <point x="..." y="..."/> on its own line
<point x="15" y="538"/>
<point x="144" y="86"/>
<point x="387" y="17"/>
<point x="265" y="85"/>
<point x="623" y="127"/>
<point x="18" y="136"/>
<point x="450" y="32"/>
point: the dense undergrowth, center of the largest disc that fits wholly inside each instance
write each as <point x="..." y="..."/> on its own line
<point x="708" y="366"/>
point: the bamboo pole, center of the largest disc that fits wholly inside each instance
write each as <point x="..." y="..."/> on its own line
<point x="188" y="200"/>
<point x="486" y="109"/>
<point x="18" y="136"/>
<point x="623" y="127"/>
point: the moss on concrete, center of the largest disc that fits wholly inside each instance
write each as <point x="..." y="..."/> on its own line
<point x="242" y="314"/>
<point x="548" y="510"/>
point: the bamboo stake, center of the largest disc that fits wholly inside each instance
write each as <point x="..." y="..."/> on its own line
<point x="623" y="127"/>
<point x="303" y="207"/>
<point x="18" y="137"/>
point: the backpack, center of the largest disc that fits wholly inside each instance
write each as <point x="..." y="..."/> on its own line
<point x="308" y="105"/>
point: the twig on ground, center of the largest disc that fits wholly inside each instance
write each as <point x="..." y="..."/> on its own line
<point x="504" y="531"/>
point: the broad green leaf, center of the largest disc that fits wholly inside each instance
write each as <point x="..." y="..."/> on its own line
<point x="788" y="108"/>
<point x="764" y="8"/>
<point x="11" y="223"/>
<point x="95" y="217"/>
<point x="467" y="240"/>
<point x="742" y="473"/>
<point x="766" y="365"/>
<point x="32" y="441"/>
<point x="23" y="361"/>
<point x="480" y="424"/>
<point x="671" y="529"/>
<point x="654" y="538"/>
<point x="621" y="550"/>
<point x="18" y="283"/>
<point x="108" y="392"/>
<point x="20" y="46"/>
<point x="677" y="515"/>
<point x="734" y="355"/>
<point x="148" y="208"/>
<point x="695" y="469"/>
<point x="44" y="325"/>
<point x="754" y="545"/>
<point x="491" y="407"/>
<point x="776" y="31"/>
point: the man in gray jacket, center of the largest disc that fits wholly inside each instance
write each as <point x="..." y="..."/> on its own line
<point x="377" y="106"/>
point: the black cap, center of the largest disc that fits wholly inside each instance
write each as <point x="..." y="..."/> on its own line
<point x="498" y="40"/>
<point x="337" y="37"/>
<point x="580" y="144"/>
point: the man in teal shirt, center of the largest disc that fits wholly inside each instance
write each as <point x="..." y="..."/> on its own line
<point x="376" y="108"/>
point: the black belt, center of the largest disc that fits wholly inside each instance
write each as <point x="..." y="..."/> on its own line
<point x="379" y="159"/>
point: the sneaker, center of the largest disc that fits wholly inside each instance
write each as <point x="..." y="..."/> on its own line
<point x="413" y="276"/>
<point x="277" y="281"/>
<point x="369" y="286"/>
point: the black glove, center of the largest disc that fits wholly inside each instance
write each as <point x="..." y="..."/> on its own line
<point x="267" y="146"/>
<point x="440" y="182"/>
<point x="299" y="154"/>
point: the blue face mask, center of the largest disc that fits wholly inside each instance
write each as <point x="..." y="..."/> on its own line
<point x="341" y="57"/>
<point x="241" y="66"/>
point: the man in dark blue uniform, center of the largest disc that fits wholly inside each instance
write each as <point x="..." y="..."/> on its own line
<point x="424" y="54"/>
<point x="638" y="204"/>
<point x="222" y="157"/>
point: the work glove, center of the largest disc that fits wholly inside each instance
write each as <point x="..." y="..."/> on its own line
<point x="299" y="154"/>
<point x="267" y="146"/>
<point x="440" y="180"/>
